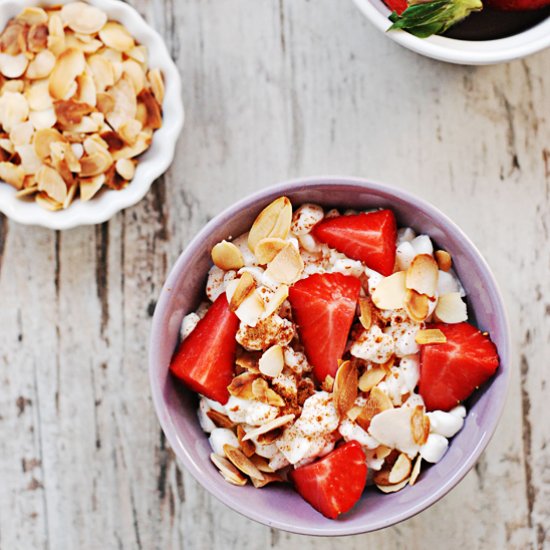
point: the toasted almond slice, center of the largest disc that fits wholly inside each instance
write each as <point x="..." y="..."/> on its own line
<point x="371" y="378"/>
<point x="95" y="144"/>
<point x="51" y="182"/>
<point x="86" y="89"/>
<point x="154" y="76"/>
<point x="365" y="317"/>
<point x="7" y="146"/>
<point x="71" y="193"/>
<point x="422" y="275"/>
<point x="390" y="292"/>
<point x="287" y="266"/>
<point x="382" y="451"/>
<point x="328" y="383"/>
<point x="269" y="437"/>
<point x="115" y="36"/>
<point x="38" y="96"/>
<point x="70" y="64"/>
<point x="12" y="86"/>
<point x="29" y="161"/>
<point x="135" y="73"/>
<point x="125" y="105"/>
<point x="272" y="361"/>
<point x="221" y="420"/>
<point x="129" y="131"/>
<point x="43" y="119"/>
<point x="244" y="287"/>
<point x="21" y="134"/>
<point x="263" y="393"/>
<point x="13" y="66"/>
<point x="444" y="260"/>
<point x="12" y="174"/>
<point x="275" y="300"/>
<point x="154" y="111"/>
<point x="241" y="386"/>
<point x="400" y="470"/>
<point x="139" y="54"/>
<point x="14" y="109"/>
<point x="228" y="471"/>
<point x="393" y="488"/>
<point x="83" y="18"/>
<point x="273" y="221"/>
<point x="142" y="144"/>
<point x="90" y="186"/>
<point x="451" y="309"/>
<point x="241" y="462"/>
<point x="125" y="168"/>
<point x="420" y="425"/>
<point x="248" y="448"/>
<point x="354" y="412"/>
<point x="141" y="114"/>
<point x="251" y="309"/>
<point x="392" y="428"/>
<point x="27" y="191"/>
<point x="12" y="39"/>
<point x="71" y="112"/>
<point x="95" y="164"/>
<point x="37" y="38"/>
<point x="430" y="336"/>
<point x="273" y="425"/>
<point x="261" y="463"/>
<point x="248" y="361"/>
<point x="56" y="34"/>
<point x="227" y="256"/>
<point x="345" y="388"/>
<point x="268" y="248"/>
<point x="41" y="66"/>
<point x="102" y="73"/>
<point x="268" y="478"/>
<point x="377" y="402"/>
<point x="42" y="140"/>
<point x="417" y="305"/>
<point x="33" y="15"/>
<point x="415" y="470"/>
<point x="43" y="200"/>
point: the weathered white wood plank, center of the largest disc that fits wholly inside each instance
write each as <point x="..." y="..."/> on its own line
<point x="273" y="90"/>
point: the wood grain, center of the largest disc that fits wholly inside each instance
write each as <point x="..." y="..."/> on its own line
<point x="273" y="90"/>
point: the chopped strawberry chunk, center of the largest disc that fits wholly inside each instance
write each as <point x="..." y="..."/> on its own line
<point x="205" y="360"/>
<point x="399" y="6"/>
<point x="323" y="307"/>
<point x="333" y="484"/>
<point x="450" y="372"/>
<point x="369" y="238"/>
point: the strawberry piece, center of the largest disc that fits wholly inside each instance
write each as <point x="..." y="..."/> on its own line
<point x="369" y="238"/>
<point x="333" y="484"/>
<point x="450" y="372"/>
<point x="518" y="5"/>
<point x="323" y="307"/>
<point x="205" y="359"/>
<point x="398" y="6"/>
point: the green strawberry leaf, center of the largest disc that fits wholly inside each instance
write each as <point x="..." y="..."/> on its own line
<point x="433" y="17"/>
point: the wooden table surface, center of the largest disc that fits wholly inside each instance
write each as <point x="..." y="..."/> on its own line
<point x="273" y="89"/>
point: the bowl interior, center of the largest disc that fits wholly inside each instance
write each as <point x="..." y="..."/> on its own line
<point x="279" y="506"/>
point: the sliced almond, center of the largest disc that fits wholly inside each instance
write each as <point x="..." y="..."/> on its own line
<point x="273" y="221"/>
<point x="71" y="112"/>
<point x="354" y="412"/>
<point x="37" y="39"/>
<point x="268" y="478"/>
<point x="251" y="309"/>
<point x="371" y="378"/>
<point x="96" y="164"/>
<point x="417" y="306"/>
<point x="125" y="105"/>
<point x="27" y="191"/>
<point x="382" y="451"/>
<point x="241" y="386"/>
<point x="125" y="168"/>
<point x="221" y="420"/>
<point x="56" y="34"/>
<point x="263" y="393"/>
<point x="228" y="471"/>
<point x="248" y="361"/>
<point x="268" y="248"/>
<point x="89" y="187"/>
<point x="272" y="361"/>
<point x="154" y="112"/>
<point x="393" y="488"/>
<point x="51" y="182"/>
<point x="83" y="18"/>
<point x="400" y="470"/>
<point x="275" y="300"/>
<point x="430" y="336"/>
<point x="154" y="76"/>
<point x="12" y="174"/>
<point x="392" y="428"/>
<point x="328" y="383"/>
<point x="13" y="85"/>
<point x="129" y="131"/>
<point x="269" y="426"/>
<point x="287" y="266"/>
<point x="71" y="193"/>
<point x="13" y="66"/>
<point x="12" y="40"/>
<point x="21" y="134"/>
<point x="241" y="462"/>
<point x="390" y="292"/>
<point x="102" y="73"/>
<point x="33" y="15"/>
<point x="245" y="286"/>
<point x="42" y="140"/>
<point x="45" y="201"/>
<point x="345" y="388"/>
<point x="135" y="73"/>
<point x="70" y="64"/>
<point x="86" y="89"/>
<point x="38" y="96"/>
<point x="365" y="317"/>
<point x="415" y="470"/>
<point x="451" y="309"/>
<point x="43" y="119"/>
<point x="444" y="260"/>
<point x="420" y="425"/>
<point x="226" y="256"/>
<point x="422" y="275"/>
<point x="29" y="161"/>
<point x="115" y="36"/>
<point x="377" y="402"/>
<point x="139" y="54"/>
<point x="262" y="464"/>
<point x="41" y="66"/>
<point x="248" y="448"/>
<point x="14" y="109"/>
<point x="142" y="144"/>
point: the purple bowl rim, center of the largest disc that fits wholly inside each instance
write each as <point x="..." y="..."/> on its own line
<point x="338" y="529"/>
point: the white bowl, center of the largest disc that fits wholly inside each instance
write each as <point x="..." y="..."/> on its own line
<point x="463" y="52"/>
<point x="152" y="163"/>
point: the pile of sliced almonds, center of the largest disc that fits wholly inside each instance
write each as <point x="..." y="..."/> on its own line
<point x="78" y="103"/>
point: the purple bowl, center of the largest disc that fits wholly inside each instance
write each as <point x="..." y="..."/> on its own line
<point x="278" y="505"/>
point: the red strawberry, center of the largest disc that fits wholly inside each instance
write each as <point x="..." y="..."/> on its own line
<point x="517" y="5"/>
<point x="323" y="306"/>
<point x="398" y="6"/>
<point x="367" y="237"/>
<point x="450" y="372"/>
<point x="205" y="359"/>
<point x="333" y="484"/>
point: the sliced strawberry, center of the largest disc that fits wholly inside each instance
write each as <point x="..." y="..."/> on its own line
<point x="333" y="484"/>
<point x="205" y="359"/>
<point x="323" y="307"/>
<point x="450" y="372"/>
<point x="398" y="6"/>
<point x="369" y="238"/>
